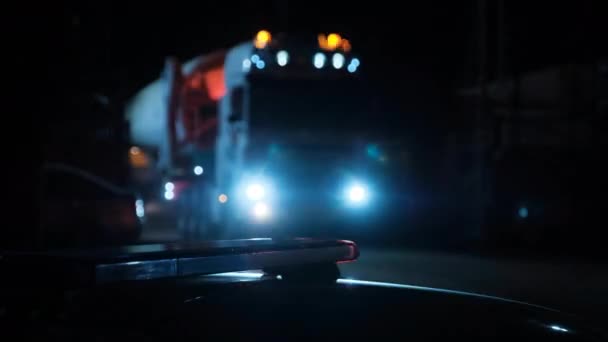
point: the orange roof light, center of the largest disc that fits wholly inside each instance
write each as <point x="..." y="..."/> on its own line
<point x="262" y="39"/>
<point x="346" y="47"/>
<point x="334" y="41"/>
<point x="322" y="41"/>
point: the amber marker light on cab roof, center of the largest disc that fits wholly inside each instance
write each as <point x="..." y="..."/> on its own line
<point x="262" y="38"/>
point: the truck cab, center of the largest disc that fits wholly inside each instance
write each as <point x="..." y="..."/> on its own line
<point x="283" y="97"/>
<point x="247" y="129"/>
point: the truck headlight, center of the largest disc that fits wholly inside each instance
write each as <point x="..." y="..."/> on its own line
<point x="255" y="191"/>
<point x="356" y="194"/>
<point x="261" y="211"/>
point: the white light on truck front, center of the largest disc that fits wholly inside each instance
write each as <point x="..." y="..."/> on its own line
<point x="222" y="198"/>
<point x="169" y="191"/>
<point x="282" y="58"/>
<point x="246" y="64"/>
<point x="134" y="150"/>
<point x="255" y="191"/>
<point x="139" y="208"/>
<point x="319" y="60"/>
<point x="356" y="194"/>
<point x="353" y="65"/>
<point x="337" y="60"/>
<point x="261" y="211"/>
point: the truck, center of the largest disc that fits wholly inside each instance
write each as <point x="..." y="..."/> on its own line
<point x="280" y="131"/>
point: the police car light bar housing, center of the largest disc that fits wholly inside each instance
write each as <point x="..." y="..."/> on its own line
<point x="146" y="262"/>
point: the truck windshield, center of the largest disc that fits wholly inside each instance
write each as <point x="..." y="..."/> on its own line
<point x="313" y="105"/>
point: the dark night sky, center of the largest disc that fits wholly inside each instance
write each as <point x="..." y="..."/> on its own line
<point x="429" y="46"/>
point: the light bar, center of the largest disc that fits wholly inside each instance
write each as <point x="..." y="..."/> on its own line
<point x="146" y="262"/>
<point x="340" y="252"/>
<point x="333" y="42"/>
<point x="255" y="261"/>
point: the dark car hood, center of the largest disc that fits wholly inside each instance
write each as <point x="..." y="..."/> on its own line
<point x="238" y="308"/>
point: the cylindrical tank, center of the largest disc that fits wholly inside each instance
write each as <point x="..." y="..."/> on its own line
<point x="147" y="114"/>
